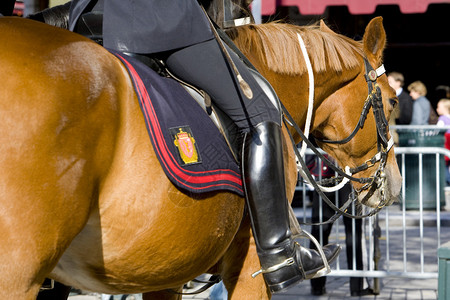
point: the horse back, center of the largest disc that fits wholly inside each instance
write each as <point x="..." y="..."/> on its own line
<point x="58" y="91"/>
<point x="59" y="105"/>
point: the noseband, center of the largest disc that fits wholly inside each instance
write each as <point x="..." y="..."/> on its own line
<point x="384" y="144"/>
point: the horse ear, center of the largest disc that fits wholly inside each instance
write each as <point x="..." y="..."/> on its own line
<point x="324" y="27"/>
<point x="374" y="39"/>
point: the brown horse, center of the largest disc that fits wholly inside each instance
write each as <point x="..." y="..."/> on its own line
<point x="83" y="197"/>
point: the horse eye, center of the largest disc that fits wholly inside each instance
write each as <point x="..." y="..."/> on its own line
<point x="393" y="101"/>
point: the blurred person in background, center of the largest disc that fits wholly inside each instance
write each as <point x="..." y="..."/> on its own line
<point x="421" y="105"/>
<point x="443" y="110"/>
<point x="404" y="109"/>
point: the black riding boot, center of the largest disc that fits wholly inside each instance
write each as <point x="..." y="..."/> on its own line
<point x="283" y="261"/>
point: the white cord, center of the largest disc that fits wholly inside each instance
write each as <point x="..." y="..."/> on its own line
<point x="309" y="121"/>
<point x="311" y="93"/>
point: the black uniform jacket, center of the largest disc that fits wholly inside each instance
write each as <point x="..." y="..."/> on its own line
<point x="147" y="26"/>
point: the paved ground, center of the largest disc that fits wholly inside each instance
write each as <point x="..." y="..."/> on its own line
<point x="395" y="289"/>
<point x="390" y="288"/>
<point x="338" y="289"/>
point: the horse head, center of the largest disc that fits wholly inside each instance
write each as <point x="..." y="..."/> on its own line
<point x="343" y="98"/>
<point x="368" y="96"/>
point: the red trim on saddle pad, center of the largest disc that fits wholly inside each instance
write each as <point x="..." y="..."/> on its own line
<point x="191" y="150"/>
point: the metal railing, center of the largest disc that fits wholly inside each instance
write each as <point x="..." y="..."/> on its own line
<point x="407" y="246"/>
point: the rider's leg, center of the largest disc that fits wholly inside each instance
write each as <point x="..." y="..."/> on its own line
<point x="57" y="16"/>
<point x="264" y="182"/>
<point x="203" y="65"/>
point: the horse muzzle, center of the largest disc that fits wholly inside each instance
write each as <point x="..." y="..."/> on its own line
<point x="387" y="189"/>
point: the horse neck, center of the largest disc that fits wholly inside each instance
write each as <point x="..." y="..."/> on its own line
<point x="293" y="91"/>
<point x="333" y="68"/>
<point x="330" y="84"/>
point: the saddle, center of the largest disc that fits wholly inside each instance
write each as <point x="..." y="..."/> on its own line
<point x="90" y="25"/>
<point x="216" y="166"/>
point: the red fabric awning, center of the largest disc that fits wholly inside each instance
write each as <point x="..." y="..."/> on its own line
<point x="317" y="7"/>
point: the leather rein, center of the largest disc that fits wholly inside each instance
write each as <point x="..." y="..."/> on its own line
<point x="372" y="183"/>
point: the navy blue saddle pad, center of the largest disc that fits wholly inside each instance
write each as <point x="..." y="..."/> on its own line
<point x="190" y="148"/>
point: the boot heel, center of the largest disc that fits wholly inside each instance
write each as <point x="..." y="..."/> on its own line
<point x="283" y="278"/>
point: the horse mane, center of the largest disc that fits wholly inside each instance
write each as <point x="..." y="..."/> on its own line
<point x="57" y="16"/>
<point x="278" y="46"/>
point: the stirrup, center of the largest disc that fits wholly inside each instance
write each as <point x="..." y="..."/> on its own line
<point x="326" y="267"/>
<point x="297" y="232"/>
<point x="290" y="261"/>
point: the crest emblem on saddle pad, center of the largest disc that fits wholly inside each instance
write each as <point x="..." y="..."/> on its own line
<point x="185" y="144"/>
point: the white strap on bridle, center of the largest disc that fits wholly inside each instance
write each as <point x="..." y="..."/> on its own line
<point x="388" y="148"/>
<point x="311" y="94"/>
<point x="242" y="21"/>
<point x="380" y="71"/>
<point x="309" y="121"/>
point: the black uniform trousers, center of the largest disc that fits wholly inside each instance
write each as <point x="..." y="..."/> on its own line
<point x="204" y="65"/>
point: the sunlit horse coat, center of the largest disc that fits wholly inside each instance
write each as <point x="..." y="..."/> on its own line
<point x="133" y="26"/>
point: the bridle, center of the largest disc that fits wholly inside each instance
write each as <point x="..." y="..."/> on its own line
<point x="374" y="100"/>
<point x="384" y="145"/>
